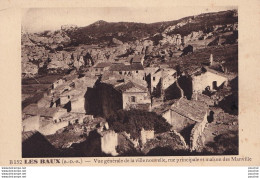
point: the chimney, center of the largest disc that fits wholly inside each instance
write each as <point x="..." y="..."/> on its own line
<point x="211" y="59"/>
<point x="196" y="96"/>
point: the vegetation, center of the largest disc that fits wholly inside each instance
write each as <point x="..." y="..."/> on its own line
<point x="104" y="32"/>
<point x="205" y="23"/>
<point x="134" y="120"/>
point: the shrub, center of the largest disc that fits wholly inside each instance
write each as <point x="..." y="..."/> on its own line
<point x="134" y="120"/>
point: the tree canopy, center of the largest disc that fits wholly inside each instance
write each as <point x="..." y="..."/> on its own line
<point x="134" y="120"/>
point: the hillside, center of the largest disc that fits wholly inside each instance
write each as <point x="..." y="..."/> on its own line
<point x="51" y="52"/>
<point x="103" y="32"/>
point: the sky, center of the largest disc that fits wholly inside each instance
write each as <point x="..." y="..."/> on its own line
<point x="40" y="19"/>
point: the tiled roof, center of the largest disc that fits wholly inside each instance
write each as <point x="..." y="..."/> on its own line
<point x="215" y="72"/>
<point x="137" y="59"/>
<point x="125" y="86"/>
<point x="109" y="75"/>
<point x="191" y="109"/>
<point x="102" y="65"/>
<point x="123" y="67"/>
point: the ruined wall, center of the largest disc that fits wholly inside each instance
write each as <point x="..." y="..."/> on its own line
<point x="146" y="135"/>
<point x="177" y="121"/>
<point x="78" y="105"/>
<point x="111" y="99"/>
<point x="31" y="123"/>
<point x="51" y="128"/>
<point x="109" y="142"/>
<point x="43" y="125"/>
<point x="134" y="142"/>
<point x="196" y="133"/>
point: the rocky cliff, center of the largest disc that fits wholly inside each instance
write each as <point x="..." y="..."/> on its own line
<point x="104" y="41"/>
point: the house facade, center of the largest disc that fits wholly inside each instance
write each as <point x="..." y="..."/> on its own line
<point x="135" y="97"/>
<point x="134" y="70"/>
<point x="210" y="79"/>
<point x="99" y="68"/>
<point x="112" y="95"/>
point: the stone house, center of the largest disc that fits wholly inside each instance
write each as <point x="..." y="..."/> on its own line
<point x="114" y="94"/>
<point x="101" y="67"/>
<point x="78" y="104"/>
<point x="136" y="59"/>
<point x="134" y="96"/>
<point x="53" y="114"/>
<point x="57" y="83"/>
<point x="208" y="79"/>
<point x="188" y="117"/>
<point x="134" y="70"/>
<point x="162" y="80"/>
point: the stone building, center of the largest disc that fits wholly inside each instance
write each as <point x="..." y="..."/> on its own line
<point x="162" y="82"/>
<point x="45" y="120"/>
<point x="136" y="59"/>
<point x="209" y="79"/>
<point x="134" y="70"/>
<point x="114" y="93"/>
<point x="101" y="67"/>
<point x="188" y="117"/>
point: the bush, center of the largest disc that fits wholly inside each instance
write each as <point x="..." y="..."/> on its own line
<point x="134" y="120"/>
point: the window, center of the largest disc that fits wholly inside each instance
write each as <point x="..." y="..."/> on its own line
<point x="133" y="99"/>
<point x="136" y="71"/>
<point x="96" y="70"/>
<point x="120" y="73"/>
<point x="153" y="78"/>
<point x="101" y="70"/>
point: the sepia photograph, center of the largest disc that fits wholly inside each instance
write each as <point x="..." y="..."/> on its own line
<point x="129" y="81"/>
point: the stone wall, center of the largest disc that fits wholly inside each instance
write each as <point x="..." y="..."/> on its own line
<point x="134" y="142"/>
<point x="78" y="105"/>
<point x="196" y="133"/>
<point x="146" y="135"/>
<point x="52" y="128"/>
<point x="204" y="80"/>
<point x="109" y="142"/>
<point x="111" y="99"/>
<point x="43" y="125"/>
<point x="177" y="121"/>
